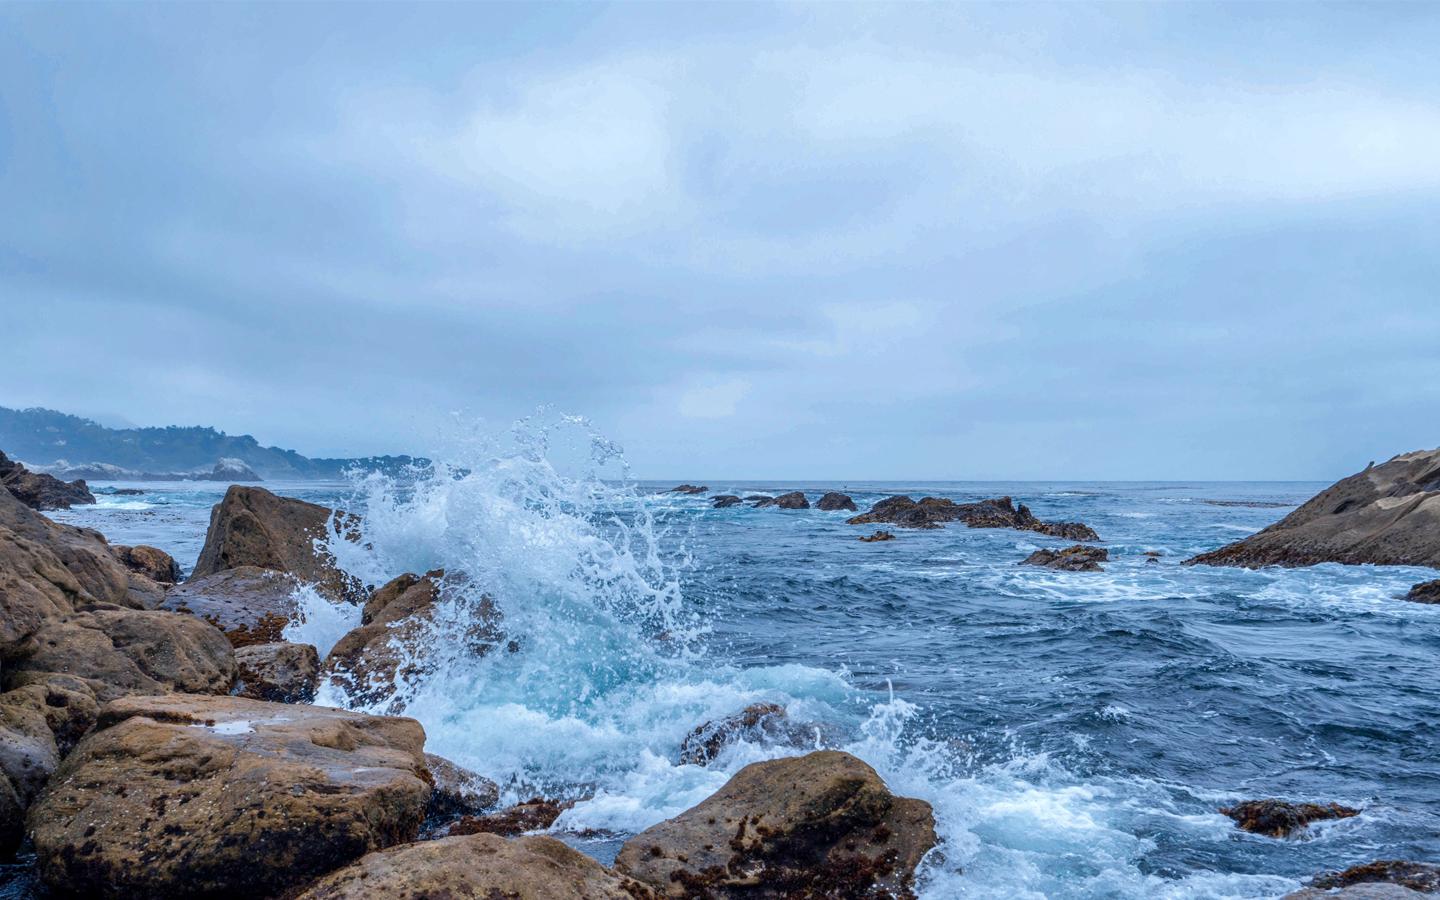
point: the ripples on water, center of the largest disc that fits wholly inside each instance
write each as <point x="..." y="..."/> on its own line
<point x="1075" y="731"/>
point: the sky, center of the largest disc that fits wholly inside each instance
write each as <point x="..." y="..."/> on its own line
<point x="902" y="241"/>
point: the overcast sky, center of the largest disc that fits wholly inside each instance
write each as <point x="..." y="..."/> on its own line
<point x="824" y="241"/>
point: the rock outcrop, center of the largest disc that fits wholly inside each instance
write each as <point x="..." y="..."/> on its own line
<point x="879" y="535"/>
<point x="457" y="791"/>
<point x="152" y="562"/>
<point x="689" y="489"/>
<point x="767" y="722"/>
<point x="480" y="866"/>
<point x="253" y="527"/>
<point x="1386" y="515"/>
<point x="821" y="825"/>
<point x="280" y="672"/>
<point x="792" y="500"/>
<point x="932" y="512"/>
<point x="40" y="491"/>
<point x="1425" y="592"/>
<point x="1279" y="818"/>
<point x="1371" y="891"/>
<point x="1416" y="876"/>
<point x="250" y="604"/>
<point x="1078" y="558"/>
<point x="834" y="500"/>
<point x="535" y="814"/>
<point x="183" y="795"/>
<point x="724" y="501"/>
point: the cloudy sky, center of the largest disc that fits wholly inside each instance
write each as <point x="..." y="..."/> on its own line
<point x="824" y="241"/>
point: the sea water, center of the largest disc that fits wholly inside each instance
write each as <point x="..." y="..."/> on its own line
<point x="1075" y="732"/>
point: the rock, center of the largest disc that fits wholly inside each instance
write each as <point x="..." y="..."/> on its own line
<point x="39" y="723"/>
<point x="186" y="795"/>
<point x="40" y="491"/>
<point x="757" y="499"/>
<point x="480" y="866"/>
<point x="1425" y="592"/>
<point x="931" y="512"/>
<point x="821" y="825"/>
<point x="458" y="791"/>
<point x="878" y="536"/>
<point x="152" y="562"/>
<point x="792" y="500"/>
<point x="250" y="604"/>
<point x="688" y="489"/>
<point x="1416" y="876"/>
<point x="68" y="704"/>
<point x="369" y="662"/>
<point x="116" y="651"/>
<point x="767" y="722"/>
<point x="724" y="501"/>
<point x="1360" y="892"/>
<point x="228" y="468"/>
<point x="253" y="527"/>
<point x="1078" y="558"/>
<point x="1385" y="515"/>
<point x="535" y="814"/>
<point x="834" y="500"/>
<point x="280" y="672"/>
<point x="1278" y="818"/>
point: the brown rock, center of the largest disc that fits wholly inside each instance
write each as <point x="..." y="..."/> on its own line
<point x="1386" y="515"/>
<point x="458" y="791"/>
<point x="1425" y="592"/>
<point x="152" y="562"/>
<point x="481" y="866"/>
<point x="251" y="605"/>
<point x="879" y="535"/>
<point x="834" y="500"/>
<point x="183" y="795"/>
<point x="821" y="825"/>
<point x="931" y="512"/>
<point x="1375" y="891"/>
<point x="1422" y="877"/>
<point x="280" y="672"/>
<point x="689" y="489"/>
<point x="758" y="721"/>
<point x="1078" y="558"/>
<point x="792" y="500"/>
<point x="725" y="501"/>
<point x="535" y="814"/>
<point x="36" y="730"/>
<point x="253" y="527"/>
<point x="40" y="491"/>
<point x="1278" y="818"/>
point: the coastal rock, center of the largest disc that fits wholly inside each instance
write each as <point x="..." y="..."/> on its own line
<point x="40" y="491"/>
<point x="68" y="704"/>
<point x="253" y="527"/>
<point x="724" y="501"/>
<point x="1386" y="515"/>
<point x="39" y="723"/>
<point x="834" y="500"/>
<point x="758" y="498"/>
<point x="152" y="562"/>
<point x="1001" y="512"/>
<point x="1416" y="876"/>
<point x="250" y="604"/>
<point x="186" y="795"/>
<point x="689" y="489"/>
<point x="457" y="790"/>
<point x="820" y="825"/>
<point x="1425" y="592"/>
<point x="116" y="651"/>
<point x="1078" y="558"/>
<point x="761" y="722"/>
<point x="880" y="535"/>
<point x="792" y="500"/>
<point x="1376" y="891"/>
<point x="280" y="672"/>
<point x="535" y="814"/>
<point x="1278" y="818"/>
<point x="477" y="866"/>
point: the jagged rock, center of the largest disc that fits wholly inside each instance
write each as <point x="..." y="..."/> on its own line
<point x="280" y="672"/>
<point x="184" y="795"/>
<point x="534" y="814"/>
<point x="931" y="512"/>
<point x="253" y="527"/>
<point x="724" y="501"/>
<point x="877" y="536"/>
<point x="757" y="499"/>
<point x="39" y="723"/>
<point x="834" y="500"/>
<point x="117" y="651"/>
<point x="1078" y="558"/>
<point x="1425" y="592"/>
<point x="689" y="489"/>
<point x="759" y="721"/>
<point x="1416" y="876"/>
<point x="40" y="491"/>
<point x="152" y="562"/>
<point x="1279" y="818"/>
<point x="792" y="500"/>
<point x="458" y="791"/>
<point x="480" y="866"/>
<point x="1386" y="515"/>
<point x="68" y="703"/>
<point x="250" y="604"/>
<point x="821" y="825"/>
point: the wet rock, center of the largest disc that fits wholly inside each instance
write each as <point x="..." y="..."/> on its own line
<point x="689" y="489"/>
<point x="758" y="721"/>
<point x="116" y="651"/>
<point x="280" y="672"/>
<point x="1416" y="876"/>
<point x="457" y="790"/>
<point x="932" y="512"/>
<point x="1279" y="818"/>
<point x="725" y="501"/>
<point x="477" y="866"/>
<point x="821" y="825"/>
<point x="1375" y="891"/>
<point x="1425" y="592"/>
<point x="1386" y="515"/>
<point x="880" y="535"/>
<point x="39" y="723"/>
<point x="186" y="795"/>
<point x="152" y="562"/>
<point x="792" y="500"/>
<point x="535" y="814"/>
<point x="68" y="703"/>
<point x="40" y="491"/>
<point x="253" y="527"/>
<point x="757" y="499"/>
<point x="1078" y="558"/>
<point x="250" y="604"/>
<point x="834" y="500"/>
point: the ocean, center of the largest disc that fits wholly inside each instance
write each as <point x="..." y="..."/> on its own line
<point x="1075" y="732"/>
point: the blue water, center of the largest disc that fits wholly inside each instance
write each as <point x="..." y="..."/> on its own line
<point x="1076" y="732"/>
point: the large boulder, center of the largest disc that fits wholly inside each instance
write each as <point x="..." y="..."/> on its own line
<point x="152" y="562"/>
<point x="724" y="501"/>
<point x="250" y="604"/>
<point x="40" y="491"/>
<point x="1424" y="592"/>
<point x="535" y="814"/>
<point x="1001" y="512"/>
<point x="253" y="527"/>
<point x="195" y="796"/>
<point x="1386" y="515"/>
<point x="115" y="651"/>
<point x="1078" y="558"/>
<point x="821" y="825"/>
<point x="39" y="723"/>
<point x="759" y="722"/>
<point x="457" y="790"/>
<point x="792" y="500"/>
<point x="1423" y="878"/>
<point x="688" y="489"/>
<point x="1280" y="818"/>
<point x="281" y="672"/>
<point x="834" y="500"/>
<point x="480" y="866"/>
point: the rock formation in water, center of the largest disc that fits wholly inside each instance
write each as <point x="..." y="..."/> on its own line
<point x="1078" y="558"/>
<point x="792" y="500"/>
<point x="688" y="489"/>
<point x="877" y="537"/>
<point x="932" y="512"/>
<point x="1419" y="879"/>
<point x="834" y="500"/>
<point x="1386" y="515"/>
<point x="1279" y="818"/>
<point x="1425" y="592"/>
<point x="40" y="491"/>
<point x="724" y="501"/>
<point x="279" y="672"/>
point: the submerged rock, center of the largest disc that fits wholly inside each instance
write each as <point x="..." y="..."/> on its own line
<point x="186" y="795"/>
<point x="932" y="512"/>
<point x="152" y="562"/>
<point x="281" y="672"/>
<point x="821" y="825"/>
<point x="689" y="489"/>
<point x="1279" y="818"/>
<point x="457" y="791"/>
<point x="792" y="500"/>
<point x="834" y="500"/>
<point x="724" y="501"/>
<point x="1425" y="592"/>
<point x="878" y="536"/>
<point x="480" y="866"/>
<point x="250" y="604"/>
<point x="535" y="814"/>
<point x="1078" y="558"/>
<point x="40" y="491"/>
<point x="1386" y="515"/>
<point x="767" y="722"/>
<point x="1416" y="876"/>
